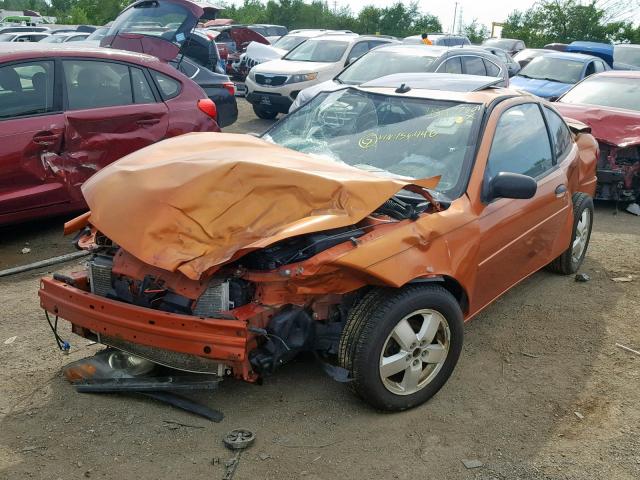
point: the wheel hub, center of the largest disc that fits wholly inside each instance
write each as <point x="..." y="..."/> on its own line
<point x="414" y="352"/>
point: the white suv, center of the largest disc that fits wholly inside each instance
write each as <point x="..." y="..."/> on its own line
<point x="273" y="86"/>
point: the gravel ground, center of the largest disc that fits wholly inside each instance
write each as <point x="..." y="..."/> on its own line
<point x="540" y="392"/>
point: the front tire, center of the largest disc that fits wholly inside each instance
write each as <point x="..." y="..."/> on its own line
<point x="263" y="113"/>
<point x="401" y="346"/>
<point x="571" y="259"/>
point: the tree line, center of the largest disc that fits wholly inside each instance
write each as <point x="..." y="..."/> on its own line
<point x="545" y="22"/>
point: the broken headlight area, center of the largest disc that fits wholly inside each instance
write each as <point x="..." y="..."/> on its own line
<point x="618" y="173"/>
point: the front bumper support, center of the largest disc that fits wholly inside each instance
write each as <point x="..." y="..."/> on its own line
<point x="219" y="340"/>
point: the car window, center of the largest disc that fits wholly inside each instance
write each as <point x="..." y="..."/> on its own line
<point x="375" y="43"/>
<point x="169" y="87"/>
<point x="492" y="69"/>
<point x="591" y="69"/>
<point x="521" y="143"/>
<point x="386" y="135"/>
<point x="616" y="92"/>
<point x="502" y="56"/>
<point x="358" y="50"/>
<point x="453" y="65"/>
<point x="76" y="38"/>
<point x="189" y="69"/>
<point x="599" y="67"/>
<point x="94" y="84"/>
<point x="26" y="89"/>
<point x="560" y="134"/>
<point x="318" y="50"/>
<point x="473" y="65"/>
<point x="379" y="63"/>
<point x="142" y="92"/>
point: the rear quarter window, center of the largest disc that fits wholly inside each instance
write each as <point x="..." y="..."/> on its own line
<point x="169" y="87"/>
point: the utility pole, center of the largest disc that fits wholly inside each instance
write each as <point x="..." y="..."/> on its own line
<point x="455" y="12"/>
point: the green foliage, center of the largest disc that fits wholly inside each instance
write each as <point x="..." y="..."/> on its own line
<point x="564" y="21"/>
<point x="476" y="32"/>
<point x="399" y="19"/>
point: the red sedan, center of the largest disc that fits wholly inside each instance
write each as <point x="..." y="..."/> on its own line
<point x="66" y="112"/>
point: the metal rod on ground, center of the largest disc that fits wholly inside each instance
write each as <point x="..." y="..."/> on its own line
<point x="619" y="345"/>
<point x="43" y="263"/>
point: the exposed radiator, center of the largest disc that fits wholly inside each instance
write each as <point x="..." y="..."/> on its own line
<point x="100" y="275"/>
<point x="214" y="299"/>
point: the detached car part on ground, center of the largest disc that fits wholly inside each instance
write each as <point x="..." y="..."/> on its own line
<point x="366" y="227"/>
<point x="610" y="104"/>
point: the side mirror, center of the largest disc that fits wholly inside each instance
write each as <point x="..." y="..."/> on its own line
<point x="511" y="185"/>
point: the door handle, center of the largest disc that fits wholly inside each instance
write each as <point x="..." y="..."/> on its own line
<point x="561" y="190"/>
<point x="46" y="139"/>
<point x="148" y="121"/>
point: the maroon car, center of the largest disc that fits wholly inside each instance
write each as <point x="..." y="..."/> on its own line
<point x="66" y="112"/>
<point x="609" y="103"/>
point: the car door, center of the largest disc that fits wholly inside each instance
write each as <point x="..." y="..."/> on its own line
<point x="518" y="237"/>
<point x="31" y="128"/>
<point x="111" y="111"/>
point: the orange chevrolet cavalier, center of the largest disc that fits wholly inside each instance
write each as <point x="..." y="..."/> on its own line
<point x="367" y="227"/>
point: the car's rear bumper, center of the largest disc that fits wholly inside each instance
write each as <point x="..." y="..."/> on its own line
<point x="217" y="340"/>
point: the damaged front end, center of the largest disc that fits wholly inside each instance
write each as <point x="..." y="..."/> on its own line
<point x="246" y="319"/>
<point x="240" y="264"/>
<point x="618" y="173"/>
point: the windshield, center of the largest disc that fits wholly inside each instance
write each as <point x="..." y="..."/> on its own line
<point x="7" y="37"/>
<point x="289" y="42"/>
<point x="328" y="51"/>
<point x="409" y="138"/>
<point x="527" y="54"/>
<point x="553" y="69"/>
<point x="379" y="63"/>
<point x="154" y="19"/>
<point x="98" y="34"/>
<point x="628" y="55"/>
<point x="607" y="92"/>
<point x="500" y="43"/>
<point x="53" y="39"/>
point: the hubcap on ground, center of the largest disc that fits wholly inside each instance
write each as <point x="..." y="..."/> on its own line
<point x="582" y="234"/>
<point x="414" y="352"/>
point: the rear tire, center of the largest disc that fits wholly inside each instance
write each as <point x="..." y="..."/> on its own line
<point x="401" y="346"/>
<point x="571" y="259"/>
<point x="264" y="113"/>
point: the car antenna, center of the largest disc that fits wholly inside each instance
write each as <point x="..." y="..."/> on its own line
<point x="404" y="88"/>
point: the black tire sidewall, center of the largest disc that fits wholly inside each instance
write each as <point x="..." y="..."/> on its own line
<point x="582" y="202"/>
<point x="366" y="362"/>
<point x="264" y="113"/>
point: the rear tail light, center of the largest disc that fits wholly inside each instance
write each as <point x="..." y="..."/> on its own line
<point x="230" y="86"/>
<point x="207" y="106"/>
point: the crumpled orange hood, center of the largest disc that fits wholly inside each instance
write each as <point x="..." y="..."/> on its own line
<point x="193" y="202"/>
